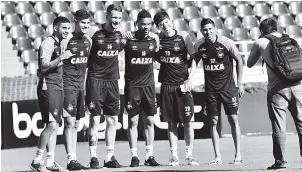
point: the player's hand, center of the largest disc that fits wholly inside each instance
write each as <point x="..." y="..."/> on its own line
<point x="128" y="35"/>
<point x="66" y="55"/>
<point x="240" y="90"/>
<point x="188" y="85"/>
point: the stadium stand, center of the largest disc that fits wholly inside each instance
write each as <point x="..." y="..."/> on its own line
<point x="167" y="4"/>
<point x="23" y="43"/>
<point x="7" y="8"/>
<point x="47" y="18"/>
<point x="24" y="7"/>
<point x="42" y="7"/>
<point x="11" y="20"/>
<point x="94" y="6"/>
<point x="295" y="8"/>
<point x="77" y="5"/>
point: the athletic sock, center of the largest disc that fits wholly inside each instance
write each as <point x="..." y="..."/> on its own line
<point x="149" y="151"/>
<point x="39" y="155"/>
<point x="174" y="151"/>
<point x="189" y="151"/>
<point x="109" y="153"/>
<point x="49" y="159"/>
<point x="133" y="152"/>
<point x="92" y="150"/>
<point x="71" y="156"/>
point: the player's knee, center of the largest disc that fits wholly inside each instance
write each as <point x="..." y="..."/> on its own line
<point x="233" y="120"/>
<point x="214" y="121"/>
<point x="111" y="120"/>
<point x="133" y="121"/>
<point x="150" y="121"/>
<point x="188" y="124"/>
<point x="52" y="126"/>
<point x="76" y="124"/>
<point x="69" y="122"/>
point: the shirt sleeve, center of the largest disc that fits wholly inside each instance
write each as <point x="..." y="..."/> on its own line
<point x="189" y="46"/>
<point x="233" y="49"/>
<point x="46" y="49"/>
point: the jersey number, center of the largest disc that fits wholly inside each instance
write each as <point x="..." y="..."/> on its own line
<point x="234" y="99"/>
<point x="167" y="53"/>
<point x="143" y="53"/>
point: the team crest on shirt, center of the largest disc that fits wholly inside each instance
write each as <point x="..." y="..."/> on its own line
<point x="117" y="41"/>
<point x="101" y="41"/>
<point x="123" y="41"/>
<point x="212" y="60"/>
<point x="74" y="49"/>
<point x="70" y="108"/>
<point x="91" y="105"/>
<point x="151" y="47"/>
<point x="57" y="52"/>
<point x="220" y="54"/>
<point x="129" y="106"/>
<point x="134" y="47"/>
<point x="176" y="47"/>
<point x="55" y="112"/>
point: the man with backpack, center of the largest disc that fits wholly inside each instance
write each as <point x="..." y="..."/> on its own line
<point x="283" y="58"/>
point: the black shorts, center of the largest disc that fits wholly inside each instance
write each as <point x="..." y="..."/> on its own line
<point x="74" y="103"/>
<point x="140" y="100"/>
<point x="50" y="102"/>
<point x="175" y="105"/>
<point x="229" y="99"/>
<point x="102" y="94"/>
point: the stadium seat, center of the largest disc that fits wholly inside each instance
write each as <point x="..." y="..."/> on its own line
<point x="294" y="31"/>
<point x="49" y="30"/>
<point x="184" y="4"/>
<point x="29" y="55"/>
<point x="92" y="29"/>
<point x="194" y="24"/>
<point x="240" y="34"/>
<point x="94" y="6"/>
<point x="128" y="25"/>
<point x="125" y="16"/>
<point x="217" y="4"/>
<point x="11" y="20"/>
<point x="7" y="8"/>
<point x="226" y="11"/>
<point x="100" y="17"/>
<point x="23" y="43"/>
<point x="261" y="9"/>
<point x="190" y="13"/>
<point x="235" y="4"/>
<point x="133" y="14"/>
<point x="192" y="36"/>
<point x="37" y="42"/>
<point x="208" y="12"/>
<point x="218" y="22"/>
<point x="180" y="25"/>
<point x="279" y="8"/>
<point x="167" y="4"/>
<point x="243" y="10"/>
<point x="42" y="7"/>
<point x="295" y="8"/>
<point x="232" y="23"/>
<point x="298" y="19"/>
<point x="153" y="11"/>
<point x="267" y="16"/>
<point x="250" y="22"/>
<point x="29" y="19"/>
<point x="149" y="5"/>
<point x="201" y="4"/>
<point x="253" y="3"/>
<point x="107" y="3"/>
<point x="132" y="5"/>
<point x="68" y="15"/>
<point x="47" y="18"/>
<point x="35" y="31"/>
<point x="24" y="7"/>
<point x="77" y="5"/>
<point x="174" y="13"/>
<point x="224" y="32"/>
<point x="60" y="6"/>
<point x="255" y="33"/>
<point x="16" y="32"/>
<point x="285" y="20"/>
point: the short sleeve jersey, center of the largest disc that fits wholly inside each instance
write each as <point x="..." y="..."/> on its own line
<point x="217" y="60"/>
<point x="103" y="59"/>
<point x="74" y="68"/>
<point x="50" y="48"/>
<point x="173" y="53"/>
<point x="139" y="58"/>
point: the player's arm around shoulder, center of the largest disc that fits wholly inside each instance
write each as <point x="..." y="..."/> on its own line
<point x="255" y="53"/>
<point x="155" y="36"/>
<point x="197" y="44"/>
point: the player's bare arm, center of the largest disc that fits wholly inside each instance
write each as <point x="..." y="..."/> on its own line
<point x="254" y="55"/>
<point x="192" y="53"/>
<point x="239" y="67"/>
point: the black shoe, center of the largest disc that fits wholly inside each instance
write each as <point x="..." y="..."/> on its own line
<point x="134" y="162"/>
<point x="38" y="167"/>
<point x="94" y="163"/>
<point x="151" y="162"/>
<point x="74" y="165"/>
<point x="277" y="165"/>
<point x="112" y="164"/>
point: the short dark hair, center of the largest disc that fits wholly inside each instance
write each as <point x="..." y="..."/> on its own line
<point x="268" y="26"/>
<point x="143" y="14"/>
<point x="81" y="15"/>
<point x="160" y="16"/>
<point x="60" y="20"/>
<point x="206" y="21"/>
<point x="115" y="7"/>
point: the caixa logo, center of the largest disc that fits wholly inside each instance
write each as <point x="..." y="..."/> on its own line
<point x="31" y="123"/>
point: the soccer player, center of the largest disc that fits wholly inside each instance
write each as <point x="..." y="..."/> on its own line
<point x="140" y="87"/>
<point x="281" y="95"/>
<point x="217" y="54"/>
<point x="74" y="72"/>
<point x="50" y="93"/>
<point x="176" y="101"/>
<point x="102" y="90"/>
